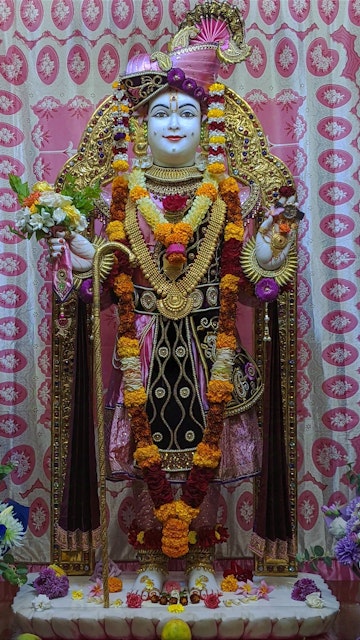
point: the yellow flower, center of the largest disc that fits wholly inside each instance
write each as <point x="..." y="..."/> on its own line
<point x="229" y="185"/>
<point x="116" y="603"/>
<point x="148" y="455"/>
<point x="230" y="282"/>
<point x="115" y="231"/>
<point x="207" y="189"/>
<point x="206" y="456"/>
<point x="176" y="608"/>
<point x="58" y="570"/>
<point x="217" y="140"/>
<point x="140" y="537"/>
<point x="177" y="509"/>
<point x="234" y="231"/>
<point x="217" y="87"/>
<point x="216" y="167"/>
<point x="224" y="341"/>
<point x="135" y="398"/>
<point x="42" y="186"/>
<point x="77" y="595"/>
<point x="192" y="537"/>
<point x="229" y="584"/>
<point x="124" y="108"/>
<point x="137" y="193"/>
<point x="215" y="113"/>
<point x="123" y="284"/>
<point x="72" y="213"/>
<point x="121" y="165"/>
<point x="219" y="391"/>
<point x="127" y="347"/>
<point x="115" y="84"/>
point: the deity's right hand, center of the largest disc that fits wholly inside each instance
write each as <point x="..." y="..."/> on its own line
<point x="80" y="248"/>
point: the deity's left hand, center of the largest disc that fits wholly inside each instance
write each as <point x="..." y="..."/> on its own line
<point x="271" y="246"/>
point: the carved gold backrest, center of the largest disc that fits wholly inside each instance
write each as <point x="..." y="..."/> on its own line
<point x="251" y="162"/>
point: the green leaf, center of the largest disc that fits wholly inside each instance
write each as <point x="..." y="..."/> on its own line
<point x="20" y="188"/>
<point x="307" y="555"/>
<point x="318" y="551"/>
<point x="328" y="561"/>
<point x="5" y="469"/>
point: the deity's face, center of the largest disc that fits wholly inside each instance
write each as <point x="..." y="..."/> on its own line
<point x="174" y="122"/>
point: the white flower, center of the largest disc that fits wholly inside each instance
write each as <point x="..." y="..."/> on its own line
<point x="82" y="224"/>
<point x="59" y="215"/>
<point x="314" y="600"/>
<point x="337" y="527"/>
<point x="41" y="602"/>
<point x="53" y="199"/>
<point x="42" y="220"/>
<point x="11" y="531"/>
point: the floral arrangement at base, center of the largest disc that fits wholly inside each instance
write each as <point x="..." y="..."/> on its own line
<point x="52" y="582"/>
<point x="302" y="588"/>
<point x="344" y="524"/>
<point x="13" y="524"/>
<point x="246" y="590"/>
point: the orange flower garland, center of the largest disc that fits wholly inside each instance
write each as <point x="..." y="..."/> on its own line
<point x="177" y="515"/>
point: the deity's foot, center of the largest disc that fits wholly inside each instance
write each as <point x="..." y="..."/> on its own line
<point x="149" y="583"/>
<point x="201" y="582"/>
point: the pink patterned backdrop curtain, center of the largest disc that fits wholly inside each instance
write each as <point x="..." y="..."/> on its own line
<point x="58" y="59"/>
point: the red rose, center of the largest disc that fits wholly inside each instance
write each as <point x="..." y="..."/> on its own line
<point x="286" y="192"/>
<point x="133" y="600"/>
<point x="174" y="203"/>
<point x="212" y="601"/>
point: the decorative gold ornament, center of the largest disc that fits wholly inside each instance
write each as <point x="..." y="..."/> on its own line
<point x="173" y="174"/>
<point x="174" y="297"/>
<point x="255" y="272"/>
<point x="278" y="242"/>
<point x="139" y="137"/>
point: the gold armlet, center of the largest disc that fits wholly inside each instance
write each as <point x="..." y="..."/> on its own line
<point x="254" y="272"/>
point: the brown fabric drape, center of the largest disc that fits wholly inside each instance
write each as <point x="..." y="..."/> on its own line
<point x="79" y="520"/>
<point x="272" y="526"/>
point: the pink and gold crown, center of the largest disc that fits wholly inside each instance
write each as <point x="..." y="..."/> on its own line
<point x="211" y="35"/>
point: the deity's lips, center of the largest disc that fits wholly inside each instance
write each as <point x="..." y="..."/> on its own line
<point x="174" y="138"/>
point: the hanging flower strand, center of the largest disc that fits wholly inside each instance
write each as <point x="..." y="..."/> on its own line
<point x="216" y="126"/>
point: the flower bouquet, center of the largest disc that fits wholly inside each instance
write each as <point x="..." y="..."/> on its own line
<point x="344" y="524"/>
<point x="44" y="210"/>
<point x="13" y="523"/>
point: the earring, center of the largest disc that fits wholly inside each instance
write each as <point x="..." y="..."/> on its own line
<point x="138" y="133"/>
<point x="202" y="157"/>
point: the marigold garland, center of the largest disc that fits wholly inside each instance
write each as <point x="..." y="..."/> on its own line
<point x="177" y="515"/>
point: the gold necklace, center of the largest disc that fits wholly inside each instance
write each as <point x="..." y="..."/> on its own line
<point x="173" y="174"/>
<point x="175" y="296"/>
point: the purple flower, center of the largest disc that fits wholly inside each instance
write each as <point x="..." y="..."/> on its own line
<point x="353" y="507"/>
<point x="51" y="585"/>
<point x="267" y="289"/>
<point x="86" y="291"/>
<point x="303" y="588"/>
<point x="176" y="77"/>
<point x="189" y="85"/>
<point x="347" y="551"/>
<point x="199" y="94"/>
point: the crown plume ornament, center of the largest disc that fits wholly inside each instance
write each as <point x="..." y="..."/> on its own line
<point x="212" y="35"/>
